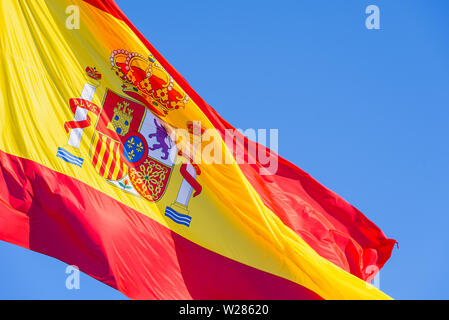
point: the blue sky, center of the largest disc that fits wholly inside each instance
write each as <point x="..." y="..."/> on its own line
<point x="363" y="111"/>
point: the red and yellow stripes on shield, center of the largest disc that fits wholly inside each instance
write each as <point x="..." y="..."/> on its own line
<point x="105" y="157"/>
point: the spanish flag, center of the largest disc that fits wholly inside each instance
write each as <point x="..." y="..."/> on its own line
<point x="93" y="172"/>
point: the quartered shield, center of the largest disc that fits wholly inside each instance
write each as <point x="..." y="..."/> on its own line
<point x="131" y="145"/>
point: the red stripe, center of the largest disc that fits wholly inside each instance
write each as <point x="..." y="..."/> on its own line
<point x="51" y="213"/>
<point x="331" y="226"/>
<point x="114" y="160"/>
<point x="105" y="158"/>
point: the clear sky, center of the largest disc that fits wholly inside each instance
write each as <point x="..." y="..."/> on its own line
<point x="363" y="111"/>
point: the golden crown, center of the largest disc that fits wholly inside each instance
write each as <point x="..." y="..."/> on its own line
<point x="147" y="81"/>
<point x="93" y="73"/>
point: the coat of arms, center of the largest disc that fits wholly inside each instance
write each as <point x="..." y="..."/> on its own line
<point x="131" y="144"/>
<point x="131" y="147"/>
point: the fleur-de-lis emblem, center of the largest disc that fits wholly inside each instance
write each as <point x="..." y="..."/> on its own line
<point x="134" y="148"/>
<point x="130" y="143"/>
<point x="139" y="147"/>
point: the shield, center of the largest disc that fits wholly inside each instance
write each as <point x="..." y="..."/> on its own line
<point x="130" y="140"/>
<point x="151" y="176"/>
<point x="106" y="159"/>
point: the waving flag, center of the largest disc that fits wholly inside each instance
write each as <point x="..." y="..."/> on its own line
<point x="90" y="174"/>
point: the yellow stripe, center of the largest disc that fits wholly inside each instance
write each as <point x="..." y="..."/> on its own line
<point x="101" y="154"/>
<point x="117" y="163"/>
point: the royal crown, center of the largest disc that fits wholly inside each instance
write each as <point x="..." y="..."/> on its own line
<point x="93" y="73"/>
<point x="147" y="81"/>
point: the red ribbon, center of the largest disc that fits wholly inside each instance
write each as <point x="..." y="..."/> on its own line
<point x="85" y="104"/>
<point x="191" y="180"/>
